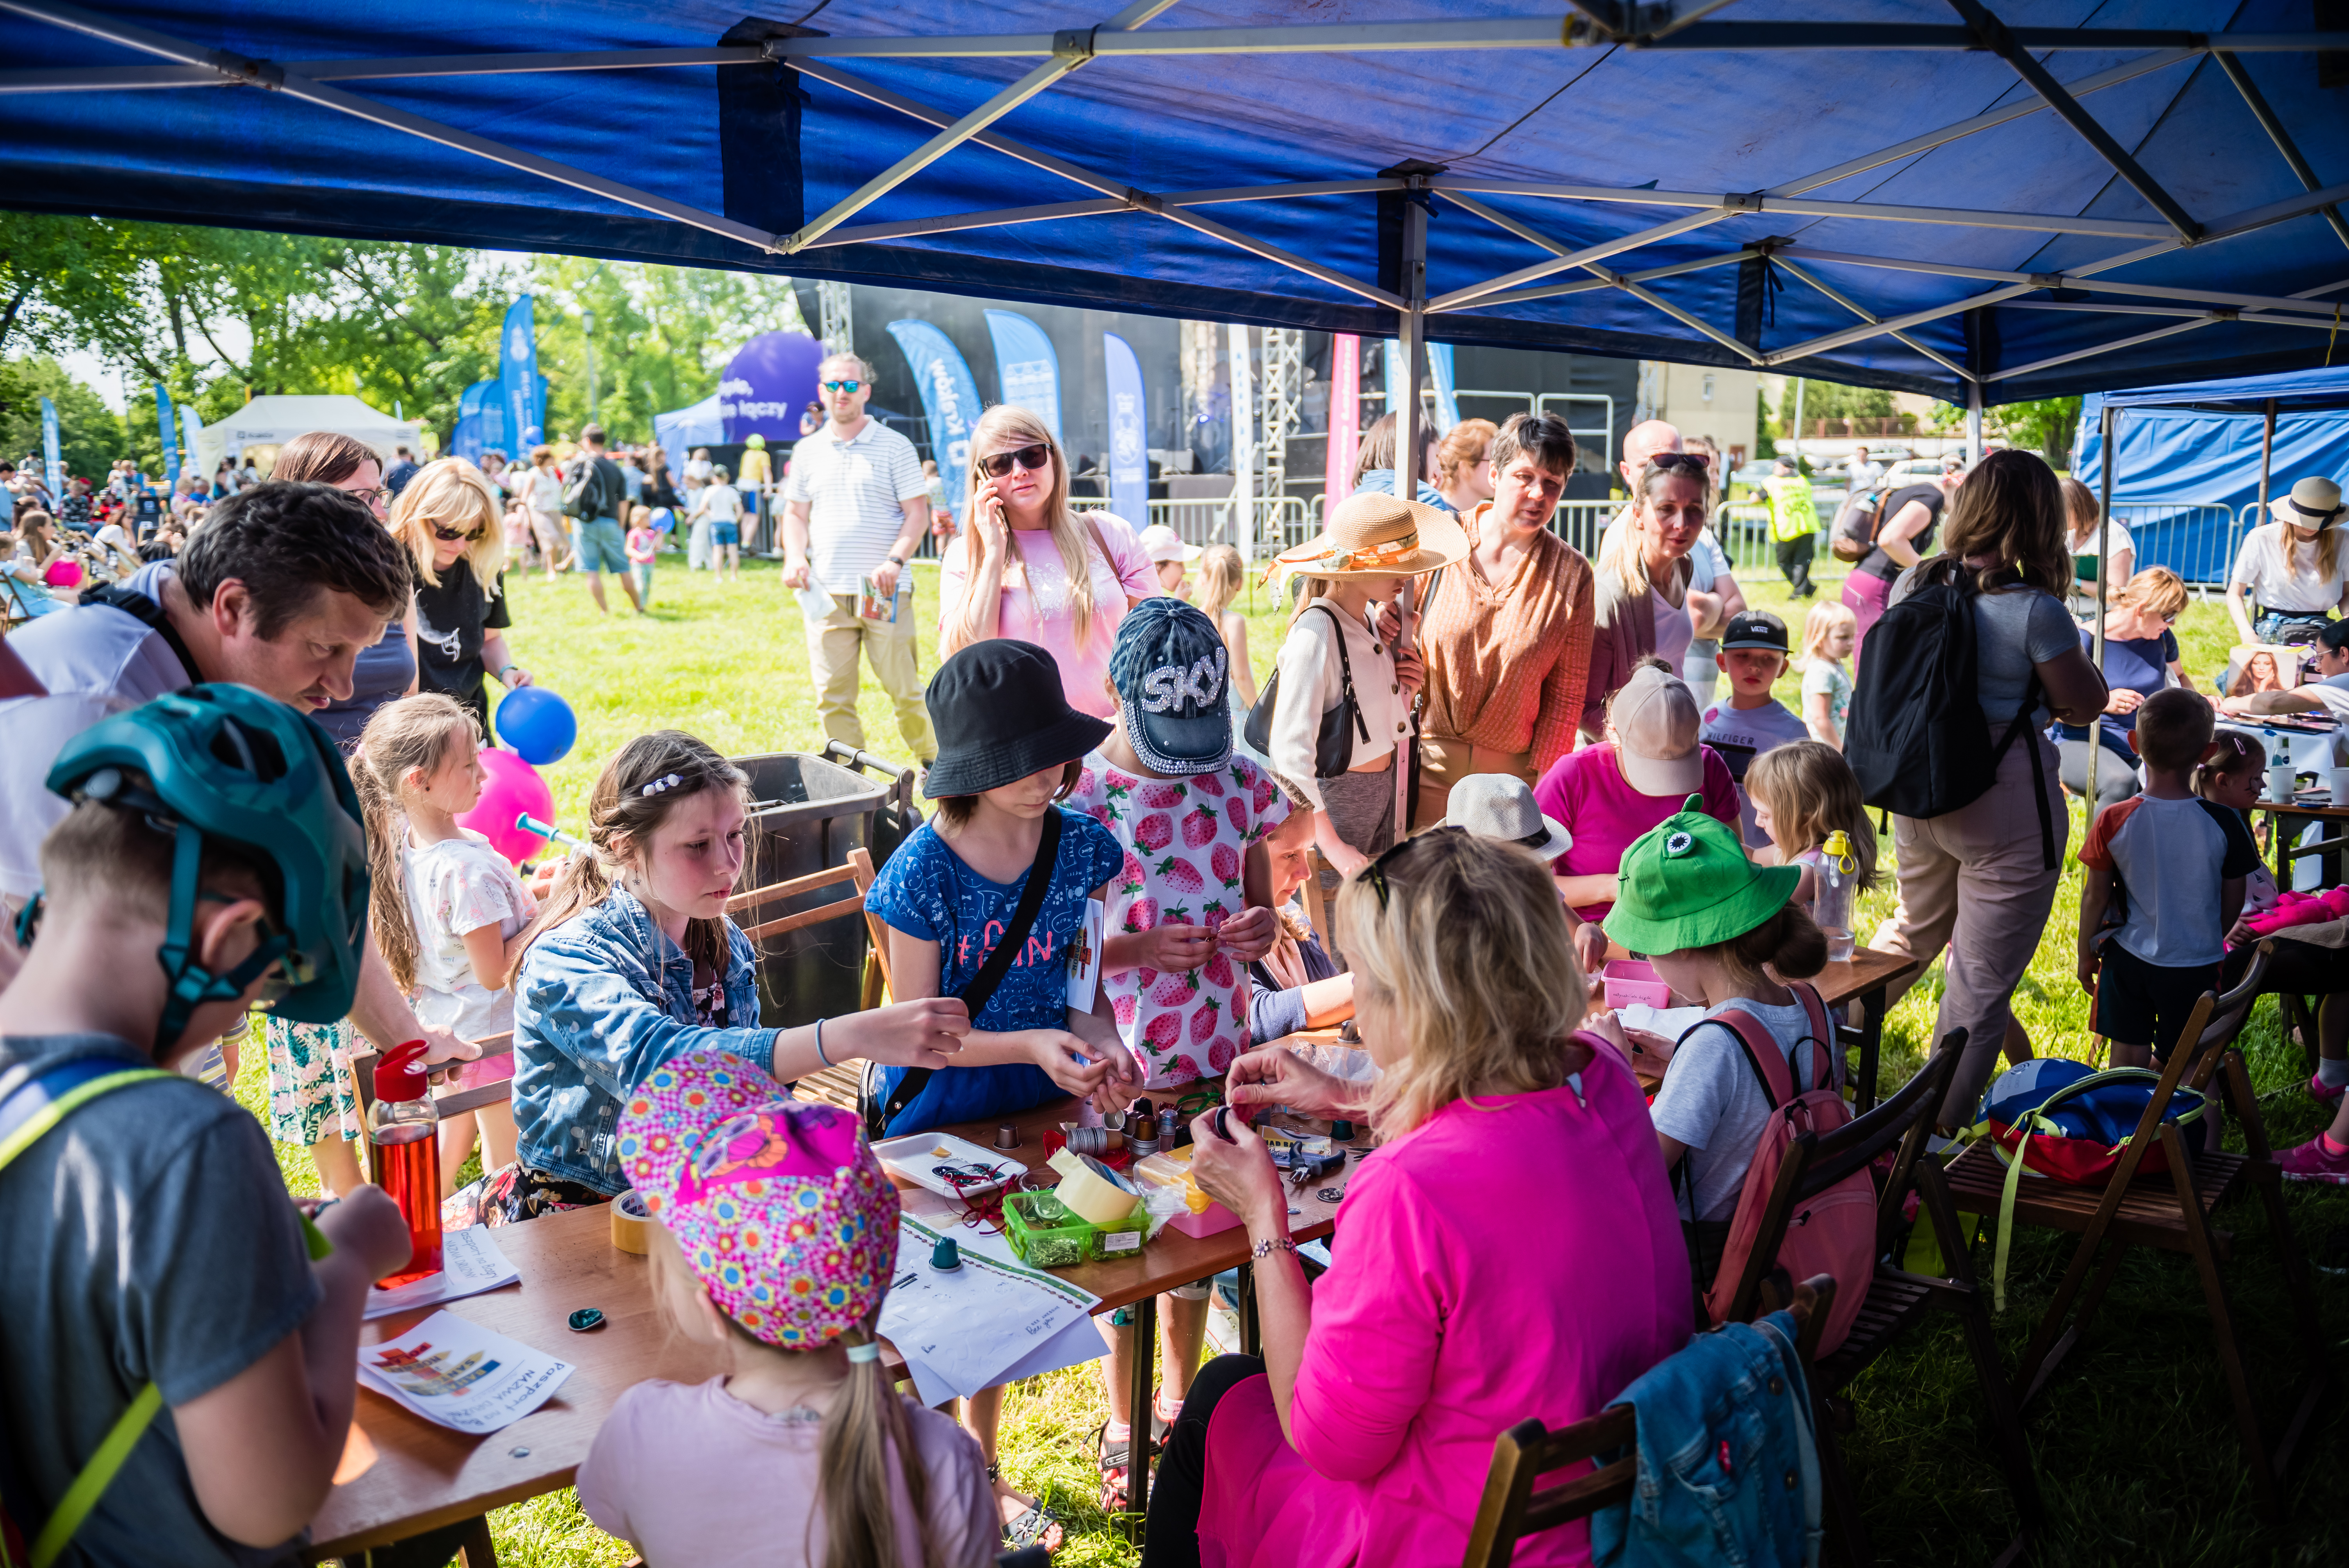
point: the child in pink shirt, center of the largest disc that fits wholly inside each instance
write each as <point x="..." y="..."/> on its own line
<point x="643" y="544"/>
<point x="1192" y="909"/>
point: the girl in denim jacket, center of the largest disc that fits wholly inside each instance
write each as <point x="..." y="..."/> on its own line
<point x="632" y="961"/>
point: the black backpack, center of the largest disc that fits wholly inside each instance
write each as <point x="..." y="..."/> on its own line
<point x="1915" y="737"/>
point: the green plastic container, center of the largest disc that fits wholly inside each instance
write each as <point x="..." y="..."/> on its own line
<point x="1046" y="1234"/>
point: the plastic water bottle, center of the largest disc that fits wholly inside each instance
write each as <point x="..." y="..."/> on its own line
<point x="406" y="1133"/>
<point x="1836" y="873"/>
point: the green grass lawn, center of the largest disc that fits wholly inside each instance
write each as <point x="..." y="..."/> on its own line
<point x="2136" y="1444"/>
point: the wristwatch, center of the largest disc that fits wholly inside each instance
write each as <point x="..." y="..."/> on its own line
<point x="896" y="560"/>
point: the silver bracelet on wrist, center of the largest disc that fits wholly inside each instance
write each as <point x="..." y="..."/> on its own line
<point x="819" y="1046"/>
<point x="1271" y="1245"/>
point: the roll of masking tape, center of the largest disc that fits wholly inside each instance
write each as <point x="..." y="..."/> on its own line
<point x="1096" y="1193"/>
<point x="631" y="1223"/>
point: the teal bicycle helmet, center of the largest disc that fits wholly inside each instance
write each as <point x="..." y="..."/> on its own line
<point x="226" y="763"/>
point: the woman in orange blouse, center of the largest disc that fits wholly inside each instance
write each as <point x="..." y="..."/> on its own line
<point x="1506" y="632"/>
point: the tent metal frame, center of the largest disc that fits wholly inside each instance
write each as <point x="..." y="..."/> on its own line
<point x="1667" y="24"/>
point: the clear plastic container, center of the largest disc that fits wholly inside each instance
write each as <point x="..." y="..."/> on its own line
<point x="1839" y="871"/>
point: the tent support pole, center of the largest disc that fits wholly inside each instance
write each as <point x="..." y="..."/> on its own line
<point x="1410" y="322"/>
<point x="2267" y="456"/>
<point x="1973" y="423"/>
<point x="2110" y="422"/>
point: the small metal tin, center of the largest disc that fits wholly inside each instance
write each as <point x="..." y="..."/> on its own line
<point x="585" y="1318"/>
<point x="1007" y="1137"/>
<point x="1168" y="1121"/>
<point x="1143" y="1147"/>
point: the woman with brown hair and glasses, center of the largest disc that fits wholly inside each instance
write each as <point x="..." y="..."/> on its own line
<point x="388" y="670"/>
<point x="448" y="517"/>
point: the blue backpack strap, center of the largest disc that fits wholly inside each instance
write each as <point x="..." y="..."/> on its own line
<point x="32" y="1104"/>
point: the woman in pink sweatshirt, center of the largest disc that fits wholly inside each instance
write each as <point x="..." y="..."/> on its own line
<point x="1511" y="1251"/>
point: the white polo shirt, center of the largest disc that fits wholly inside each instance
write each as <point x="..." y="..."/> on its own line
<point x="96" y="662"/>
<point x="856" y="492"/>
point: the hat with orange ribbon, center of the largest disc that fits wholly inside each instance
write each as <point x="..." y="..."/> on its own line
<point x="1372" y="535"/>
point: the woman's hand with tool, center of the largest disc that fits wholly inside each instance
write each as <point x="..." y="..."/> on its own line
<point x="1231" y="1165"/>
<point x="1275" y="1077"/>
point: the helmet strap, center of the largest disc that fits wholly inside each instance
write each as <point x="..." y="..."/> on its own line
<point x="191" y="984"/>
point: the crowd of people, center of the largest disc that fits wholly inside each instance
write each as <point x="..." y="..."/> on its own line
<point x="1507" y="760"/>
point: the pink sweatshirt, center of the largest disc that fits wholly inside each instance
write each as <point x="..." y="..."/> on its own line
<point x="1519" y="1257"/>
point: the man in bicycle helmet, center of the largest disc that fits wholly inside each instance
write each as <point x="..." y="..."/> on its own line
<point x="212" y="858"/>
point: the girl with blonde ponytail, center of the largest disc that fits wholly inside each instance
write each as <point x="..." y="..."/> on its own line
<point x="775" y="1236"/>
<point x="447" y="910"/>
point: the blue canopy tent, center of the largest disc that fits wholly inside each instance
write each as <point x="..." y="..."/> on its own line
<point x="2195" y="462"/>
<point x="696" y="424"/>
<point x="1878" y="191"/>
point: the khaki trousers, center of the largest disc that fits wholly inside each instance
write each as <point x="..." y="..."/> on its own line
<point x="1974" y="881"/>
<point x="889" y="647"/>
<point x="1443" y="762"/>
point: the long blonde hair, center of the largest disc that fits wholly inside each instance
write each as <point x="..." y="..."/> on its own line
<point x="1469" y="949"/>
<point x="2328" y="542"/>
<point x="866" y="1421"/>
<point x="451" y="493"/>
<point x="1811" y="792"/>
<point x="1820" y="628"/>
<point x="1071" y="537"/>
<point x="416" y="732"/>
<point x="621" y="821"/>
<point x="1625" y="558"/>
<point x="1220" y="570"/>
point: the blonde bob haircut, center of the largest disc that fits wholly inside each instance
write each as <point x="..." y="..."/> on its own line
<point x="1007" y="426"/>
<point x="1471" y="953"/>
<point x="451" y="493"/>
<point x="2156" y="591"/>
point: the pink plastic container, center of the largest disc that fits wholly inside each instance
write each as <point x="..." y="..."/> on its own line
<point x="1213" y="1218"/>
<point x="1629" y="980"/>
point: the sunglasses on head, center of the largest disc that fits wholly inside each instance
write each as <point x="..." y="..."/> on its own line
<point x="1693" y="461"/>
<point x="842" y="386"/>
<point x="1033" y="459"/>
<point x="452" y="535"/>
<point x="1375" y="873"/>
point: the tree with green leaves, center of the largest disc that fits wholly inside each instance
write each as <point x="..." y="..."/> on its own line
<point x="89" y="436"/>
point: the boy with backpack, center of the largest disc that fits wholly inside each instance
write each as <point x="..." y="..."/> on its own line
<point x="180" y="1340"/>
<point x="2166" y="877"/>
<point x="593" y="492"/>
<point x="1760" y="1070"/>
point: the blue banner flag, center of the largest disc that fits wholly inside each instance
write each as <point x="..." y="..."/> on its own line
<point x="950" y="398"/>
<point x="1027" y="368"/>
<point x="49" y="457"/>
<point x="480" y="422"/>
<point x="191" y="426"/>
<point x="1439" y="371"/>
<point x="1129" y="433"/>
<point x="171" y="432"/>
<point x="522" y="404"/>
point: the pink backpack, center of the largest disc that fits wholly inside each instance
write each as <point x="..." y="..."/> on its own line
<point x="1834" y="1231"/>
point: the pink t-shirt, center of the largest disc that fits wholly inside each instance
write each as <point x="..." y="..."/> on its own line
<point x="1587" y="791"/>
<point x="643" y="544"/>
<point x="1442" y="1324"/>
<point x="690" y="1474"/>
<point x="1035" y="607"/>
<point x="1186" y="843"/>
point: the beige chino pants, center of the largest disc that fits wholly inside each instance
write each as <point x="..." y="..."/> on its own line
<point x="889" y="647"/>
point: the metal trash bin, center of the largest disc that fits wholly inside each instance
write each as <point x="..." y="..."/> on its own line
<point x="806" y="814"/>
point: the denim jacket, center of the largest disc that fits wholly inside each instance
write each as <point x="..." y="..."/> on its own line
<point x="1728" y="1467"/>
<point x="604" y="999"/>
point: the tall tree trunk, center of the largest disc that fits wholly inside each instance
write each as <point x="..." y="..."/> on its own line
<point x="8" y="321"/>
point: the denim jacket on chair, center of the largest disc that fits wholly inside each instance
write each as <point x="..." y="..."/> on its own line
<point x="602" y="1000"/>
<point x="1728" y="1466"/>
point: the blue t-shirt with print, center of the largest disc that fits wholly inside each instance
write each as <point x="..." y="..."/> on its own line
<point x="928" y="891"/>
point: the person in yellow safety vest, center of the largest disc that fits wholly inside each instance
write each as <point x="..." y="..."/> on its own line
<point x="1794" y="525"/>
<point x="753" y="476"/>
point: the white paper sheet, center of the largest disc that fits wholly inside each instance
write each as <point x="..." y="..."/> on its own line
<point x="1670" y="1022"/>
<point x="980" y="1324"/>
<point x="471" y="1263"/>
<point x="461" y="1375"/>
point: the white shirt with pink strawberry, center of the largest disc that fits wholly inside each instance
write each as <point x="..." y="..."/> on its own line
<point x="1186" y="842"/>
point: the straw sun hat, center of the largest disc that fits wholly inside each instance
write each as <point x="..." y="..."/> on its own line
<point x="2313" y="503"/>
<point x="1372" y="535"/>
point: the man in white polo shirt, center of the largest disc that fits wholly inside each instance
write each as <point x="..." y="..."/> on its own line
<point x="855" y="505"/>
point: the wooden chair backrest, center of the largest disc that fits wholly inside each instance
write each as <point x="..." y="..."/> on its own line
<point x="1512" y="1508"/>
<point x="1817" y="1162"/>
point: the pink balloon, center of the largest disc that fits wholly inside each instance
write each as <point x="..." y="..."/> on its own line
<point x="512" y="787"/>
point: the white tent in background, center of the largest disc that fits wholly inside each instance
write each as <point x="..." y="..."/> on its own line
<point x="680" y="431"/>
<point x="271" y="422"/>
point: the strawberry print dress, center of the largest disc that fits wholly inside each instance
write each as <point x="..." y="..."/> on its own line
<point x="1186" y="840"/>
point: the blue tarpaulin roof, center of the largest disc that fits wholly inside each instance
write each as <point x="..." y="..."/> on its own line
<point x="1781" y="183"/>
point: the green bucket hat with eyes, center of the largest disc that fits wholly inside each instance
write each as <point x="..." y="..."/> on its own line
<point x="1686" y="882"/>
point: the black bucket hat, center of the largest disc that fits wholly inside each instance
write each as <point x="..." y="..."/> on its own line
<point x="1001" y="715"/>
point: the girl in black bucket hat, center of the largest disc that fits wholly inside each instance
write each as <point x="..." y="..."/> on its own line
<point x="956" y="901"/>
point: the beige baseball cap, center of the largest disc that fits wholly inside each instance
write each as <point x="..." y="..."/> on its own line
<point x="1656" y="725"/>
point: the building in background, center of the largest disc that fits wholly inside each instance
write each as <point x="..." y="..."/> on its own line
<point x="1713" y="401"/>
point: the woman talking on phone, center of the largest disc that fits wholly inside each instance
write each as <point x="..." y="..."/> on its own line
<point x="1029" y="566"/>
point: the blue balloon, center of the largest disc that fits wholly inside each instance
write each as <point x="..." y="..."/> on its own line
<point x="538" y="725"/>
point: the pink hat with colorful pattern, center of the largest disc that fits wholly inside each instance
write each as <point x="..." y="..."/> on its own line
<point x="780" y="1209"/>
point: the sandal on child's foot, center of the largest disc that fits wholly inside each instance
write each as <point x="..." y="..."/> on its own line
<point x="1161" y="1421"/>
<point x="1039" y="1526"/>
<point x="1115" y="1457"/>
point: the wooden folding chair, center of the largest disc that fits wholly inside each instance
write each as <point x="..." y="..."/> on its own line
<point x="833" y="1086"/>
<point x="362" y="1072"/>
<point x="1512" y="1508"/>
<point x="2170" y="1210"/>
<point x="1896" y="1299"/>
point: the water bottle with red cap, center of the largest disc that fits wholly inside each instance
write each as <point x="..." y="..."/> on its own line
<point x="406" y="1133"/>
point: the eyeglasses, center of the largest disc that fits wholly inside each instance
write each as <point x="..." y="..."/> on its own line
<point x="1375" y="873"/>
<point x="842" y="385"/>
<point x="452" y="535"/>
<point x="380" y="496"/>
<point x="1033" y="459"/>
